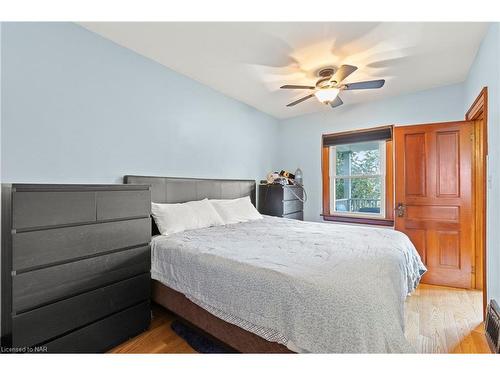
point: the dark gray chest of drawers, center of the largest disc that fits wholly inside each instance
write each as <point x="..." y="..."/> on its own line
<point x="75" y="266"/>
<point x="281" y="201"/>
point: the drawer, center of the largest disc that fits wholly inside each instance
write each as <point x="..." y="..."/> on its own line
<point x="47" y="322"/>
<point x="106" y="333"/>
<point x="123" y="204"/>
<point x="292" y="206"/>
<point x="292" y="192"/>
<point x="39" y="209"/>
<point x="295" y="216"/>
<point x="38" y="248"/>
<point x="35" y="288"/>
<point x="271" y="200"/>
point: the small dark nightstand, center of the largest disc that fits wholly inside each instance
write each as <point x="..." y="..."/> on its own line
<point x="281" y="200"/>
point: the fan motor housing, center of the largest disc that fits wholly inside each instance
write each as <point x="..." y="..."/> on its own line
<point x="325" y="75"/>
<point x="326" y="72"/>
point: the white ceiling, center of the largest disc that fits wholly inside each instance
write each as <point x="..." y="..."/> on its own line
<point x="250" y="61"/>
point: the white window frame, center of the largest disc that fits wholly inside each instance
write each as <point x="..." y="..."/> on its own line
<point x="334" y="177"/>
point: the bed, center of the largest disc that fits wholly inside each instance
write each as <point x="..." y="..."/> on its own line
<point x="277" y="285"/>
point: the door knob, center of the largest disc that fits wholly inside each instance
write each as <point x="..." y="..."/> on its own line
<point x="400" y="209"/>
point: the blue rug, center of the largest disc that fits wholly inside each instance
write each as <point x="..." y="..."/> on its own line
<point x="197" y="341"/>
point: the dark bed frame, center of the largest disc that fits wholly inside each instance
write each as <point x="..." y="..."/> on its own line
<point x="179" y="190"/>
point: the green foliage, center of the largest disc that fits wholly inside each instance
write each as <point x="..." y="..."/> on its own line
<point x="366" y="162"/>
<point x="340" y="183"/>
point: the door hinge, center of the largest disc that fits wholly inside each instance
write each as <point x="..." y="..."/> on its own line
<point x="473" y="269"/>
<point x="472" y="137"/>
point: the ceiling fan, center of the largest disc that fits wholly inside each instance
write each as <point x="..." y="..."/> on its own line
<point x="329" y="85"/>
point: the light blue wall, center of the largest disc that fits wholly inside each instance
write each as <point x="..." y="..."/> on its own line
<point x="79" y="108"/>
<point x="302" y="135"/>
<point x="485" y="71"/>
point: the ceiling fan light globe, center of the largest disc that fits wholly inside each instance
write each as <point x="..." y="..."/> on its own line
<point x="326" y="95"/>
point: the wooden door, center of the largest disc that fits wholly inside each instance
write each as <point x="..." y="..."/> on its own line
<point x="433" y="187"/>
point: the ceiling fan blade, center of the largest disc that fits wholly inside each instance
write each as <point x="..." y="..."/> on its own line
<point x="297" y="87"/>
<point x="376" y="84"/>
<point x="300" y="100"/>
<point x="342" y="73"/>
<point x="336" y="102"/>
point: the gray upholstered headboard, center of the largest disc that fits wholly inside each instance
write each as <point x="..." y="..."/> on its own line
<point x="178" y="190"/>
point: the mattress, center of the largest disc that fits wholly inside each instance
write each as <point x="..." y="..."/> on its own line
<point x="314" y="287"/>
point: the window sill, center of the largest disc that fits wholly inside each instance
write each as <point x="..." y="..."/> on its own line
<point x="359" y="220"/>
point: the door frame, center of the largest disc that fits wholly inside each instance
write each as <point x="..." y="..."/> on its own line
<point x="478" y="112"/>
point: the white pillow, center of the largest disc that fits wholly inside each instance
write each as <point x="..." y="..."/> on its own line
<point x="237" y="210"/>
<point x="178" y="217"/>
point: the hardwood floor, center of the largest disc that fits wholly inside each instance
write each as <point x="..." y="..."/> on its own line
<point x="159" y="338"/>
<point x="445" y="320"/>
<point x="438" y="320"/>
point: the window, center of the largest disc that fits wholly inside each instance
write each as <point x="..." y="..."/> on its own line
<point x="357" y="176"/>
<point x="357" y="173"/>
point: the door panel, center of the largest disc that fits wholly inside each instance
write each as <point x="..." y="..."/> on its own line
<point x="417" y="237"/>
<point x="448" y="173"/>
<point x="415" y="162"/>
<point x="449" y="245"/>
<point x="433" y="182"/>
<point x="423" y="212"/>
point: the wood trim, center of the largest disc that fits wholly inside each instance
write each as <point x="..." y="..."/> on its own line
<point x="325" y="173"/>
<point x="479" y="107"/>
<point x="389" y="180"/>
<point x="359" y="220"/>
<point x="389" y="183"/>
<point x="478" y="112"/>
<point x="479" y="204"/>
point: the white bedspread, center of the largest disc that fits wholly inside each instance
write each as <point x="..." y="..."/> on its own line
<point x="321" y="288"/>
